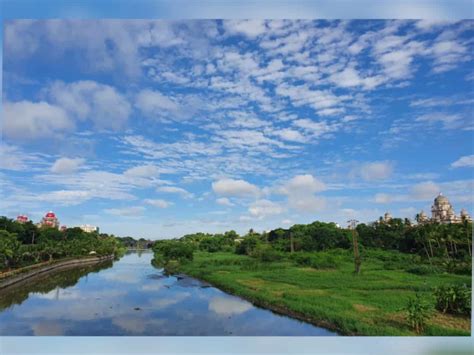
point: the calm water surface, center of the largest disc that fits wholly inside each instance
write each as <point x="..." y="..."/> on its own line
<point x="131" y="297"/>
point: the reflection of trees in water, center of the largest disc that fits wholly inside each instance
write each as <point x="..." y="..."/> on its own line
<point x="17" y="294"/>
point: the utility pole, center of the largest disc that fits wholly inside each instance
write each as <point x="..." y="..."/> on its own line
<point x="292" y="246"/>
<point x="355" y="243"/>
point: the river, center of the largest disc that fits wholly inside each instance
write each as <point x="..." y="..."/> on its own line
<point x="131" y="297"/>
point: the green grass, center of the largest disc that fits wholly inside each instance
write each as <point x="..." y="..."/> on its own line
<point x="371" y="303"/>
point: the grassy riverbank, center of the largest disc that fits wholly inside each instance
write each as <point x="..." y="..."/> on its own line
<point x="371" y="303"/>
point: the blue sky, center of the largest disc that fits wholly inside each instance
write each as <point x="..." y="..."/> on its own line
<point x="157" y="128"/>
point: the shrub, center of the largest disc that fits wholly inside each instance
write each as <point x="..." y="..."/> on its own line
<point x="323" y="262"/>
<point x="210" y="244"/>
<point x="265" y="253"/>
<point x="418" y="311"/>
<point x="315" y="260"/>
<point x="175" y="250"/>
<point x="247" y="245"/>
<point x="455" y="299"/>
<point x="172" y="267"/>
<point x="301" y="259"/>
<point x="460" y="267"/>
<point x="423" y="270"/>
<point x="390" y="265"/>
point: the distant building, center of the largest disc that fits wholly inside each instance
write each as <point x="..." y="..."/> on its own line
<point x="422" y="217"/>
<point x="89" y="229"/>
<point x="49" y="220"/>
<point x="22" y="218"/>
<point x="387" y="217"/>
<point x="443" y="212"/>
<point x="63" y="228"/>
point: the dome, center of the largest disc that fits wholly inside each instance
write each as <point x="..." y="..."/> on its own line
<point x="464" y="213"/>
<point x="441" y="199"/>
<point x="50" y="215"/>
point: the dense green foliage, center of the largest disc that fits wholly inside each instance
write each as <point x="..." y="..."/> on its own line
<point x="372" y="303"/>
<point x="455" y="299"/>
<point x="25" y="244"/>
<point x="449" y="241"/>
<point x="132" y="243"/>
<point x="418" y="311"/>
<point x="174" y="250"/>
<point x="308" y="270"/>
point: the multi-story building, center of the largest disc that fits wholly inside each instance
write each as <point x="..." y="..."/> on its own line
<point x="443" y="212"/>
<point x="22" y="218"/>
<point x="89" y="229"/>
<point x="49" y="220"/>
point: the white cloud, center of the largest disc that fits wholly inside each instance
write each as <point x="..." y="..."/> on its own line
<point x="465" y="161"/>
<point x="13" y="158"/>
<point x="248" y="28"/>
<point x="374" y="171"/>
<point x="89" y="100"/>
<point x="302" y="185"/>
<point x="154" y="104"/>
<point x="263" y="208"/>
<point x="316" y="129"/>
<point x="63" y="197"/>
<point x="143" y="171"/>
<point x="224" y="201"/>
<point x="449" y="121"/>
<point x="237" y="188"/>
<point x="300" y="191"/>
<point x="382" y="198"/>
<point x="289" y="134"/>
<point x="132" y="211"/>
<point x="66" y="165"/>
<point x="175" y="190"/>
<point x="425" y="190"/>
<point x="158" y="203"/>
<point x="25" y="120"/>
<point x="226" y="306"/>
<point x="307" y="203"/>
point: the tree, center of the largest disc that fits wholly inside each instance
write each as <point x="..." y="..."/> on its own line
<point x="357" y="261"/>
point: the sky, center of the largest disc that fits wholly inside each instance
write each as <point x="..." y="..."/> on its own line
<point x="158" y="128"/>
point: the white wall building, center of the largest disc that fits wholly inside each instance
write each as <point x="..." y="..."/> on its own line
<point x="89" y="229"/>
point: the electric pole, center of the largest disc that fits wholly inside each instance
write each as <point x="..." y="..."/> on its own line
<point x="292" y="247"/>
<point x="355" y="243"/>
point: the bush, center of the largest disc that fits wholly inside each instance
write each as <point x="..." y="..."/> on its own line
<point x="315" y="260"/>
<point x="418" y="311"/>
<point x="460" y="267"/>
<point x="247" y="245"/>
<point x="210" y="244"/>
<point x="324" y="262"/>
<point x="265" y="253"/>
<point x="301" y="259"/>
<point x="423" y="270"/>
<point x="455" y="299"/>
<point x="172" y="267"/>
<point x="175" y="250"/>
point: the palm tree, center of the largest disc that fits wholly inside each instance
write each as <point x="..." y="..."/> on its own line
<point x="467" y="228"/>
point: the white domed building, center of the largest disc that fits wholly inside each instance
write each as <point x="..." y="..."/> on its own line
<point x="443" y="212"/>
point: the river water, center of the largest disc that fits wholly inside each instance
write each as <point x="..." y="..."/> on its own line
<point x="131" y="297"/>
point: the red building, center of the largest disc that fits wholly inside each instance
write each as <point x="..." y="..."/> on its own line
<point x="49" y="220"/>
<point x="22" y="218"/>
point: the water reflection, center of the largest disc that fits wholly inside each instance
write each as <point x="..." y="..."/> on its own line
<point x="134" y="298"/>
<point x="47" y="286"/>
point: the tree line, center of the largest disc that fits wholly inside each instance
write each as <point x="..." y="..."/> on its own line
<point x="23" y="244"/>
<point x="447" y="246"/>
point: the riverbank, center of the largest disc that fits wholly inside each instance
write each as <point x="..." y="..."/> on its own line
<point x="19" y="275"/>
<point x="368" y="304"/>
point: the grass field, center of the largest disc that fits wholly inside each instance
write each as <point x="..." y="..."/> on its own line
<point x="367" y="304"/>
